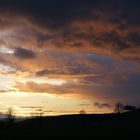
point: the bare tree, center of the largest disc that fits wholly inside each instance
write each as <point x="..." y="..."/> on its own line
<point x="10" y="113"/>
<point x="119" y="108"/>
<point x="39" y="112"/>
<point x="10" y="116"/>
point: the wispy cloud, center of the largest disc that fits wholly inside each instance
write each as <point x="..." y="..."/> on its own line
<point x="102" y="105"/>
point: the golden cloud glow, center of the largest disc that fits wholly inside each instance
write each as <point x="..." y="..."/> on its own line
<point x="65" y="59"/>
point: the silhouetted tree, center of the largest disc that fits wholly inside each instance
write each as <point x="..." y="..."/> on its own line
<point x="119" y="108"/>
<point x="10" y="113"/>
<point x="10" y="116"/>
<point x="82" y="112"/>
<point x="129" y="108"/>
<point x="39" y="112"/>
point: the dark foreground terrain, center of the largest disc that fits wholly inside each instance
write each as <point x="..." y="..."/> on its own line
<point x="115" y="125"/>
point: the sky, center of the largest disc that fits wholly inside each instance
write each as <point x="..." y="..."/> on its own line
<point x="68" y="55"/>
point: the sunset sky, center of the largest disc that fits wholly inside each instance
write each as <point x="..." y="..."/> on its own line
<point x="69" y="55"/>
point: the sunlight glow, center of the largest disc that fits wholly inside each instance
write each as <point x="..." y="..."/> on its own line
<point x="41" y="80"/>
<point x="17" y="94"/>
<point x="6" y="68"/>
<point x="6" y="50"/>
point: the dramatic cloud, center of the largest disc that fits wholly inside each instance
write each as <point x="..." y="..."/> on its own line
<point x="23" y="53"/>
<point x="111" y="89"/>
<point x="93" y="46"/>
<point x="110" y="28"/>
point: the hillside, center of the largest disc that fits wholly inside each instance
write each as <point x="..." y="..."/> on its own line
<point x="76" y="125"/>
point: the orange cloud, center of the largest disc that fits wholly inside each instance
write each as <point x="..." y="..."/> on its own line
<point x="90" y="51"/>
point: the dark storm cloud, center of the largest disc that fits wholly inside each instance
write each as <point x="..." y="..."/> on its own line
<point x="58" y="13"/>
<point x="134" y="38"/>
<point x="54" y="13"/>
<point x="24" y="53"/>
<point x="113" y="38"/>
<point x="109" y="27"/>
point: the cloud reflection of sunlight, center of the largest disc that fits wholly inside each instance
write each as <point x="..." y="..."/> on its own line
<point x="17" y="94"/>
<point x="6" y="50"/>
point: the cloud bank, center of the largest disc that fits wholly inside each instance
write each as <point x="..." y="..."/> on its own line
<point x="93" y="45"/>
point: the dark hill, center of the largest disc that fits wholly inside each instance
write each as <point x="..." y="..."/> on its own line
<point x="125" y="124"/>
